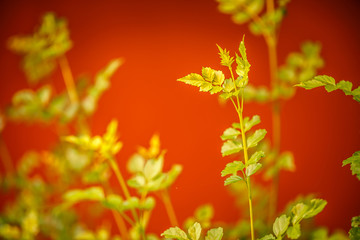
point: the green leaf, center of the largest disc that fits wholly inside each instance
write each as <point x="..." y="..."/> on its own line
<point x="316" y="206"/>
<point x="204" y="212"/>
<point x="230" y="133"/>
<point x="113" y="201"/>
<point x="355" y="221"/>
<point x="232" y="179"/>
<point x="136" y="163"/>
<point x="243" y="65"/>
<point x="268" y="237"/>
<point x="193" y="79"/>
<point x="175" y="232"/>
<point x="171" y="176"/>
<point x="294" y="232"/>
<point x="299" y="211"/>
<point x="138" y="181"/>
<point x="214" y="234"/>
<point x="345" y="86"/>
<point x="354" y="232"/>
<point x="280" y="225"/>
<point x="356" y="94"/>
<point x="253" y="168"/>
<point x="226" y="60"/>
<point x="286" y="161"/>
<point x="256" y="157"/>
<point x="228" y="86"/>
<point x="354" y="162"/>
<point x="249" y="124"/>
<point x="317" y="81"/>
<point x="77" y="195"/>
<point x="254" y="139"/>
<point x="232" y="168"/>
<point x="219" y="78"/>
<point x="153" y="167"/>
<point x="195" y="231"/>
<point x="230" y="147"/>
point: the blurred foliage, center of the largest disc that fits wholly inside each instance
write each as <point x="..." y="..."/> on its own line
<point x="41" y="49"/>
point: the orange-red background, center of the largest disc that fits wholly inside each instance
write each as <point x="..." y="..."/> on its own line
<point x="165" y="40"/>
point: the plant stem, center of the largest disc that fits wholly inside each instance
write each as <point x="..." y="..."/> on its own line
<point x="239" y="109"/>
<point x="68" y="79"/>
<point x="122" y="184"/>
<point x="121" y="225"/>
<point x="246" y="157"/>
<point x="271" y="43"/>
<point x="5" y="156"/>
<point x="169" y="207"/>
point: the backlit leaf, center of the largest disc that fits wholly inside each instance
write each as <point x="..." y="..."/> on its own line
<point x="214" y="234"/>
<point x="280" y="225"/>
<point x="226" y="60"/>
<point x="294" y="232"/>
<point x="230" y="147"/>
<point x="195" y="231"/>
<point x="256" y="157"/>
<point x="254" y="139"/>
<point x="232" y="179"/>
<point x="230" y="133"/>
<point x="232" y="168"/>
<point x="253" y="168"/>
<point x="175" y="232"/>
<point x="317" y="205"/>
<point x="317" y="81"/>
<point x="354" y="162"/>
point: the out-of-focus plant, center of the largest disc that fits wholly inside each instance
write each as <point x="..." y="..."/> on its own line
<point x="330" y="85"/>
<point x="42" y="187"/>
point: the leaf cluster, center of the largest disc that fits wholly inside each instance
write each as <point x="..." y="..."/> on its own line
<point x="290" y="225"/>
<point x="252" y="11"/>
<point x="194" y="233"/>
<point x="214" y="81"/>
<point x="233" y="144"/>
<point x="44" y="106"/>
<point x="330" y="85"/>
<point x="147" y="169"/>
<point x="41" y="49"/>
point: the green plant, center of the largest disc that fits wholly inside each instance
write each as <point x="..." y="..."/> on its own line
<point x="48" y="186"/>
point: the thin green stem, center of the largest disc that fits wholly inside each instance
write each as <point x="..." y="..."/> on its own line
<point x="169" y="207"/>
<point x="121" y="225"/>
<point x="68" y="79"/>
<point x="122" y="184"/>
<point x="246" y="158"/>
<point x="239" y="109"/>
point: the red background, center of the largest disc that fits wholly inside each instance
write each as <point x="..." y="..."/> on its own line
<point x="162" y="41"/>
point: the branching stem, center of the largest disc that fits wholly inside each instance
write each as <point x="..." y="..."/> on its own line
<point x="122" y="183"/>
